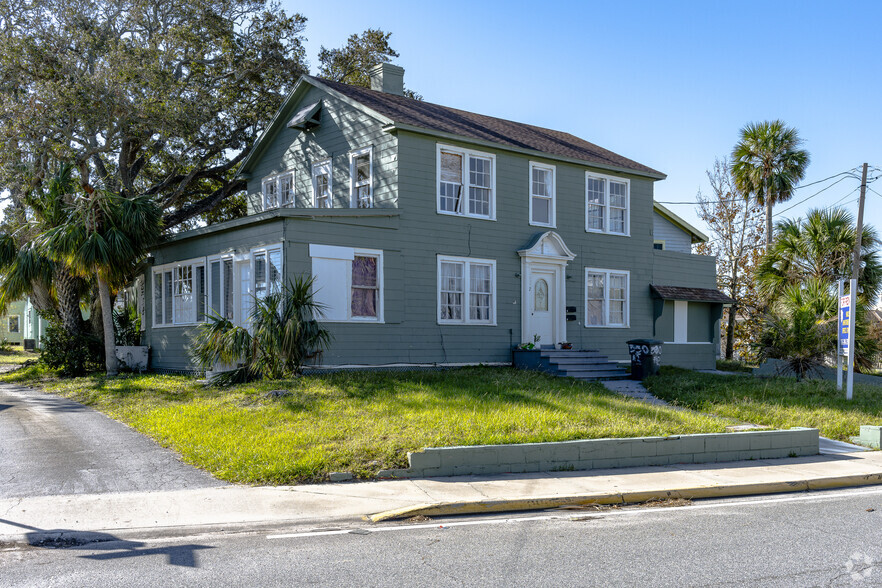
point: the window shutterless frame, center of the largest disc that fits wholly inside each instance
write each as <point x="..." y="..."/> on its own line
<point x="466" y="291"/>
<point x="278" y="190"/>
<point x="543" y="195"/>
<point x="361" y="178"/>
<point x="322" y="185"/>
<point x="465" y="182"/>
<point x="607" y="292"/>
<point x="607" y="204"/>
<point x="179" y="293"/>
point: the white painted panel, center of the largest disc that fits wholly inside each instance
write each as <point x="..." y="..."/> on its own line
<point x="331" y="252"/>
<point x="681" y="314"/>
<point x="331" y="286"/>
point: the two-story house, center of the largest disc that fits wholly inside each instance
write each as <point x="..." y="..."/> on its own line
<point x="438" y="236"/>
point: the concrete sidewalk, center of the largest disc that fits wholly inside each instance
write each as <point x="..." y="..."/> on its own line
<point x="99" y="517"/>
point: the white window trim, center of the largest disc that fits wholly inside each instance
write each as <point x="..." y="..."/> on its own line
<point x="606" y="204"/>
<point x="607" y="272"/>
<point x="161" y="269"/>
<point x="466" y="290"/>
<point x="659" y="242"/>
<point x="464" y="200"/>
<point x="276" y="179"/>
<point x="330" y="182"/>
<point x="349" y="254"/>
<point x="267" y="249"/>
<point x="553" y="211"/>
<point x="9" y="318"/>
<point x="353" y="198"/>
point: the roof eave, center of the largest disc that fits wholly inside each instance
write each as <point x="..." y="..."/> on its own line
<point x="532" y="152"/>
<point x="697" y="236"/>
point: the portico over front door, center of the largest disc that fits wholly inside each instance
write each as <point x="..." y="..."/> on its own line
<point x="543" y="289"/>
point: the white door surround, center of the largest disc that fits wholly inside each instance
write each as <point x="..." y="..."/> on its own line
<point x="543" y="265"/>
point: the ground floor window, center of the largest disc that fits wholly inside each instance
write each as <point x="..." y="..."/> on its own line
<point x="606" y="298"/>
<point x="466" y="290"/>
<point x="222" y="285"/>
<point x="13" y="323"/>
<point x="348" y="282"/>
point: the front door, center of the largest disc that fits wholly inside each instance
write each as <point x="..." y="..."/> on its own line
<point x="542" y="299"/>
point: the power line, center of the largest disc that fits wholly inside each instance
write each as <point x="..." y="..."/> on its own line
<point x="806" y="199"/>
<point x="844" y="173"/>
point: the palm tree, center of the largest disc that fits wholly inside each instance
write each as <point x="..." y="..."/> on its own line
<point x="767" y="164"/>
<point x="282" y="336"/>
<point x="104" y="236"/>
<point x="798" y="276"/>
<point x="820" y="246"/>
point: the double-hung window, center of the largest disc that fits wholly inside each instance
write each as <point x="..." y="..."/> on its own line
<point x="607" y="202"/>
<point x="466" y="290"/>
<point x="321" y="185"/>
<point x="12" y="323"/>
<point x="542" y="195"/>
<point x="466" y="183"/>
<point x="179" y="293"/>
<point x="278" y="191"/>
<point x="606" y="298"/>
<point x="348" y="283"/>
<point x="361" y="178"/>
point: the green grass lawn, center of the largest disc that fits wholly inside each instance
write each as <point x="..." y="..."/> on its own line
<point x="361" y="421"/>
<point x="17" y="356"/>
<point x="776" y="402"/>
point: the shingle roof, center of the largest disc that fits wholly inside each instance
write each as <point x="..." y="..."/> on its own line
<point x="466" y="124"/>
<point x="690" y="294"/>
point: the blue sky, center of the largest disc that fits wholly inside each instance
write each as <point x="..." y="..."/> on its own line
<point x="668" y="84"/>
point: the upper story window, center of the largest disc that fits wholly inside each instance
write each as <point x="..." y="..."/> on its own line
<point x="607" y="201"/>
<point x="542" y="195"/>
<point x="466" y="183"/>
<point x="321" y="185"/>
<point x="361" y="178"/>
<point x="278" y="190"/>
<point x="466" y="290"/>
<point x="606" y="298"/>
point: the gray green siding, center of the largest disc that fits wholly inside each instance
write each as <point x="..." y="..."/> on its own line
<point x="343" y="129"/>
<point x="411" y="234"/>
<point x="675" y="238"/>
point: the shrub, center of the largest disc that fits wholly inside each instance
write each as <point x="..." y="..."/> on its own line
<point x="71" y="355"/>
<point x="282" y="336"/>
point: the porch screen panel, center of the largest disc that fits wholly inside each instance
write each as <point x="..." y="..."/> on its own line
<point x="260" y="275"/>
<point x="214" y="301"/>
<point x="228" y="301"/>
<point x="275" y="270"/>
<point x="157" y="299"/>
<point x="168" y="299"/>
<point x="200" y="293"/>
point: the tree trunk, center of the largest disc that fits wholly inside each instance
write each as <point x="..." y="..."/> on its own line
<point x="768" y="222"/>
<point x="67" y="293"/>
<point x="107" y="321"/>
<point x="730" y="332"/>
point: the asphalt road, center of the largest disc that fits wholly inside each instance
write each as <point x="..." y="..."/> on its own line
<point x="809" y="539"/>
<point x="52" y="446"/>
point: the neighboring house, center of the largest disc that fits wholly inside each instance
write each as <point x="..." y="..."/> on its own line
<point x="442" y="237"/>
<point x="22" y="323"/>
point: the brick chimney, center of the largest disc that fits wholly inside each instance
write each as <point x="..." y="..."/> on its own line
<point x="388" y="78"/>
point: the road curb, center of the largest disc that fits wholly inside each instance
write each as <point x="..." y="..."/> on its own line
<point x="695" y="492"/>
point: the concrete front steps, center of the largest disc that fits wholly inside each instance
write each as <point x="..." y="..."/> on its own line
<point x="582" y="365"/>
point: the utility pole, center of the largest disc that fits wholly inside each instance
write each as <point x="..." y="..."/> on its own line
<point x="855" y="271"/>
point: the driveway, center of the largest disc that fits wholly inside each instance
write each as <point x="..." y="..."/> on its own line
<point x="53" y="446"/>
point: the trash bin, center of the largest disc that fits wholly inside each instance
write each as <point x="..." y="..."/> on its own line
<point x="29" y="345"/>
<point x="645" y="357"/>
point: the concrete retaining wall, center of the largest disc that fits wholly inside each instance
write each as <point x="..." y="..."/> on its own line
<point x="607" y="453"/>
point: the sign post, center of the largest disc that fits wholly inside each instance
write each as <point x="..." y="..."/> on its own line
<point x="849" y="317"/>
<point x="841" y="333"/>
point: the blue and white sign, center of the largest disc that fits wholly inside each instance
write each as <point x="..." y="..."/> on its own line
<point x="844" y="323"/>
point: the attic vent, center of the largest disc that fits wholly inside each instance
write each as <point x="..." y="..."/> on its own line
<point x="307" y="117"/>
